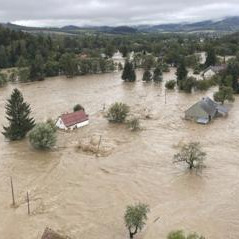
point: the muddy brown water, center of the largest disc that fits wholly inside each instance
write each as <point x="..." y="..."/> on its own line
<point x="85" y="196"/>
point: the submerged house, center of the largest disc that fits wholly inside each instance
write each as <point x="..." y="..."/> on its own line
<point x="212" y="71"/>
<point x="50" y="234"/>
<point x="205" y="110"/>
<point x="73" y="120"/>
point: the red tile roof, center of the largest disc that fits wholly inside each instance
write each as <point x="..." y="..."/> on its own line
<point x="73" y="118"/>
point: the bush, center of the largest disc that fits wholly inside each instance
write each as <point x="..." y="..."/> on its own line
<point x="133" y="124"/>
<point x="170" y="85"/>
<point x="43" y="136"/>
<point x="181" y="235"/>
<point x="78" y="107"/>
<point x="118" y="112"/>
<point x="203" y="85"/>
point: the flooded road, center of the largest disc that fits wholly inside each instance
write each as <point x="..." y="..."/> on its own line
<point x="85" y="196"/>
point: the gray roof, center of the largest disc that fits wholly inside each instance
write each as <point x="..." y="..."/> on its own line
<point x="205" y="108"/>
<point x="216" y="69"/>
<point x="209" y="106"/>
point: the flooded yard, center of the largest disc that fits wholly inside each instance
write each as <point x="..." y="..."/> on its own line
<point x="85" y="196"/>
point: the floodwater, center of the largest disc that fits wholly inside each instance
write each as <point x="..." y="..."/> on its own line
<point x="85" y="196"/>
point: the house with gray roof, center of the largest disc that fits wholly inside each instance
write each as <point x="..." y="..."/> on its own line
<point x="205" y="110"/>
<point x="213" y="70"/>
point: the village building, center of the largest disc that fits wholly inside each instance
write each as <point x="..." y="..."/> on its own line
<point x="50" y="234"/>
<point x="212" y="71"/>
<point x="72" y="120"/>
<point x="205" y="110"/>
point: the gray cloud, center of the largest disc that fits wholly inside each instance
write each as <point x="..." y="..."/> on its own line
<point x="113" y="12"/>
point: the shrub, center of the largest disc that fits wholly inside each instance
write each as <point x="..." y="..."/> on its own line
<point x="203" y="85"/>
<point x="43" y="136"/>
<point x="118" y="112"/>
<point x="134" y="124"/>
<point x="170" y="85"/>
<point x="181" y="235"/>
<point x="78" y="107"/>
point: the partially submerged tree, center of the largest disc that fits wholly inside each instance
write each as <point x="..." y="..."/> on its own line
<point x="43" y="136"/>
<point x="135" y="218"/>
<point x="134" y="124"/>
<point x="181" y="73"/>
<point x="224" y="93"/>
<point x="18" y="115"/>
<point x="118" y="112"/>
<point x="78" y="107"/>
<point x="158" y="75"/>
<point x="147" y="76"/>
<point x="170" y="85"/>
<point x="128" y="74"/>
<point x="181" y="235"/>
<point x="191" y="154"/>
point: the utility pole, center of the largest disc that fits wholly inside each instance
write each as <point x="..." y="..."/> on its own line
<point x="13" y="197"/>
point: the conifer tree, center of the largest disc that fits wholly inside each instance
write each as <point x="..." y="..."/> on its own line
<point x="18" y="115"/>
<point x="211" y="58"/>
<point x="181" y="73"/>
<point x="128" y="72"/>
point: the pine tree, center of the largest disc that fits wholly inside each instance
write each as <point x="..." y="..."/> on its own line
<point x="211" y="58"/>
<point x="18" y="115"/>
<point x="128" y="72"/>
<point x="181" y="73"/>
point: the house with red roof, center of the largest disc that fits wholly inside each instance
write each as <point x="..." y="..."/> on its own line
<point x="73" y="120"/>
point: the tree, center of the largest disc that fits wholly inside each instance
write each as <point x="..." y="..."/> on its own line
<point x="224" y="93"/>
<point x="148" y="62"/>
<point x="158" y="75"/>
<point x="170" y="84"/>
<point x="181" y="73"/>
<point x="211" y="57"/>
<point x="181" y="235"/>
<point x="3" y="79"/>
<point x="135" y="218"/>
<point x="191" y="154"/>
<point x="188" y="84"/>
<point x="128" y="72"/>
<point x="147" y="76"/>
<point x="43" y="136"/>
<point x="118" y="112"/>
<point x="78" y="107"/>
<point x="18" y="115"/>
<point x="68" y="63"/>
<point x="37" y="68"/>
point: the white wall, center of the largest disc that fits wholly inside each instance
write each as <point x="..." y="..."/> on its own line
<point x="61" y="125"/>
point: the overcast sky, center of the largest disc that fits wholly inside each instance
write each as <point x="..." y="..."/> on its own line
<point x="113" y="12"/>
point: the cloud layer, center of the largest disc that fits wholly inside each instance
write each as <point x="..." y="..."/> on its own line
<point x="113" y="12"/>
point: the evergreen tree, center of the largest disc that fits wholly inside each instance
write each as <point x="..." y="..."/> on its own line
<point x="18" y="115"/>
<point x="158" y="75"/>
<point x="211" y="58"/>
<point x="147" y="76"/>
<point x="128" y="72"/>
<point x="181" y="73"/>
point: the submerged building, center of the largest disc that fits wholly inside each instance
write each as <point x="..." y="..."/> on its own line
<point x="205" y="110"/>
